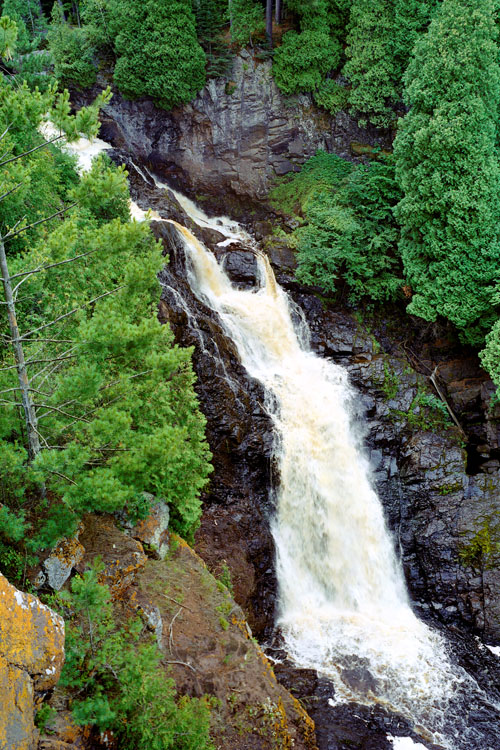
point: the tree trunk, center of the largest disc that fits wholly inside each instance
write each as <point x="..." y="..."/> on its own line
<point x="269" y="22"/>
<point x="278" y="11"/>
<point x="60" y="2"/>
<point x="22" y="374"/>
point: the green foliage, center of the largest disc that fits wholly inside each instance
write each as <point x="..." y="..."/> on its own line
<point x="247" y="20"/>
<point x="44" y="179"/>
<point x="30" y="21"/>
<point x="331" y="96"/>
<point x="225" y="578"/>
<point x="426" y="412"/>
<point x="483" y="550"/>
<point x="114" y="396"/>
<point x="490" y="356"/>
<point x="371" y="65"/>
<point x="390" y="383"/>
<point x="44" y="717"/>
<point x="381" y="34"/>
<point x="8" y="37"/>
<point x="73" y="54"/>
<point x="350" y="230"/>
<point x="34" y="68"/>
<point x="211" y="17"/>
<point x="117" y="681"/>
<point x="447" y="166"/>
<point x="158" y="54"/>
<point x="303" y="60"/>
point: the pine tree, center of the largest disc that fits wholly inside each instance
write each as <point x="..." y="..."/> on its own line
<point x="448" y="168"/>
<point x="158" y="54"/>
<point x="381" y="35"/>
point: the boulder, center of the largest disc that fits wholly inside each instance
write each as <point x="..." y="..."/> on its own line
<point x="31" y="659"/>
<point x="60" y="563"/>
<point x="121" y="556"/>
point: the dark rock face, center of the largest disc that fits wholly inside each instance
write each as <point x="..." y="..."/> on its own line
<point x="434" y="507"/>
<point x="235" y="137"/>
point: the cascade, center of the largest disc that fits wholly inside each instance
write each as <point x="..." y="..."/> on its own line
<point x="343" y="606"/>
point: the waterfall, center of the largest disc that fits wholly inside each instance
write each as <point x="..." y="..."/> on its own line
<point x="343" y="606"/>
<point x="342" y="597"/>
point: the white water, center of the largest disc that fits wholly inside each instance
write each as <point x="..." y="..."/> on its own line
<point x="342" y="596"/>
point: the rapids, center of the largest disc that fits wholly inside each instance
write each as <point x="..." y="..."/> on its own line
<point x="343" y="605"/>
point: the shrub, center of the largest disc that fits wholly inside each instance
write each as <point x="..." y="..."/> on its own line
<point x="158" y="54"/>
<point x="303" y="60"/>
<point x="331" y="96"/>
<point x="73" y="55"/>
<point x="116" y="679"/>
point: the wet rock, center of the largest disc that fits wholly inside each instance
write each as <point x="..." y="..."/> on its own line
<point x="241" y="267"/>
<point x="61" y="562"/>
<point x="359" y="680"/>
<point x="122" y="557"/>
<point x="31" y="659"/>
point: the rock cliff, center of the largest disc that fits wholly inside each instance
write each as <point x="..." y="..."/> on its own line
<point x="235" y="137"/>
<point x="31" y="659"/>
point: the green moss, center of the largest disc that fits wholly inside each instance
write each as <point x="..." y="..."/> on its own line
<point x="223" y="623"/>
<point x="483" y="550"/>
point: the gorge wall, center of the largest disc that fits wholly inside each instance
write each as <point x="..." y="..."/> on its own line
<point x="235" y="137"/>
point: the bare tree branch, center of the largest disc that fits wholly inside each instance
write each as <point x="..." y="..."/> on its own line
<point x="51" y="265"/>
<point x="9" y="192"/>
<point x="71" y="312"/>
<point x="10" y="235"/>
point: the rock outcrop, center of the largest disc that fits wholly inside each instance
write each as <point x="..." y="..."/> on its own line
<point x="121" y="556"/>
<point x="209" y="649"/>
<point x="235" y="137"/>
<point x="31" y="659"/>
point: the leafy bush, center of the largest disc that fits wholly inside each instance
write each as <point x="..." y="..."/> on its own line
<point x="303" y="60"/>
<point x="117" y="681"/>
<point x="349" y="228"/>
<point x="331" y="96"/>
<point x="73" y="54"/>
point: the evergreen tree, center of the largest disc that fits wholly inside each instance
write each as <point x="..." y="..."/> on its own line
<point x="304" y="59"/>
<point x="448" y="168"/>
<point x="110" y="405"/>
<point x="247" y="18"/>
<point x="381" y="35"/>
<point x="211" y="17"/>
<point x="158" y="54"/>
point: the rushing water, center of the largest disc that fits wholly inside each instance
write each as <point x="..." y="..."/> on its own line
<point x="344" y="609"/>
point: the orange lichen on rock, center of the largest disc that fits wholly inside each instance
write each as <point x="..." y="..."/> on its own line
<point x="122" y="556"/>
<point x="153" y="530"/>
<point x="31" y="659"/>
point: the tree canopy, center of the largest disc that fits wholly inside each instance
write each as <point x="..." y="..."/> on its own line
<point x="448" y="168"/>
